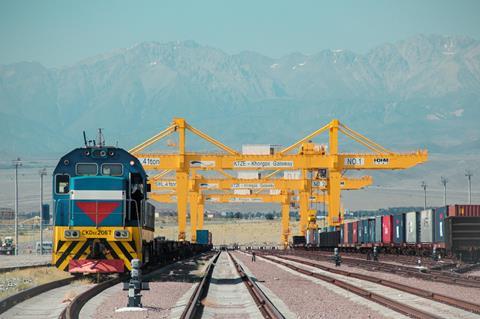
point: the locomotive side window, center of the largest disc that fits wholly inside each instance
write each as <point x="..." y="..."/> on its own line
<point x="112" y="169"/>
<point x="86" y="169"/>
<point x="62" y="184"/>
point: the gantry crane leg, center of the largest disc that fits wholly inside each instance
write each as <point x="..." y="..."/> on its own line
<point x="285" y="221"/>
<point x="193" y="201"/>
<point x="182" y="200"/>
<point x="333" y="198"/>
<point x="200" y="212"/>
<point x="303" y="213"/>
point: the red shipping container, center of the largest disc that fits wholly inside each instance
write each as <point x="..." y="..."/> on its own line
<point x="354" y="231"/>
<point x="387" y="231"/>
<point x="464" y="210"/>
<point x="345" y="233"/>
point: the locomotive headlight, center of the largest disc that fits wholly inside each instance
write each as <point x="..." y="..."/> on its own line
<point x="71" y="233"/>
<point x="121" y="234"/>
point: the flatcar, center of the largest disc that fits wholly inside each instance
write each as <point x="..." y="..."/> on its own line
<point x="102" y="219"/>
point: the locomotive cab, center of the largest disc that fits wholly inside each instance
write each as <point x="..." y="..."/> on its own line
<point x="102" y="219"/>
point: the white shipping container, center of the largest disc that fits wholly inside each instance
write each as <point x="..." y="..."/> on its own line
<point x="242" y="191"/>
<point x="275" y="192"/>
<point x="292" y="174"/>
<point x="258" y="149"/>
<point x="249" y="175"/>
<point x="411" y="228"/>
<point x="426" y="226"/>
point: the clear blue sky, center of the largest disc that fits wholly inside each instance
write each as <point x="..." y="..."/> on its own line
<point x="58" y="33"/>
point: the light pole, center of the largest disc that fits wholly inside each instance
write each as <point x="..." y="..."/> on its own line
<point x="17" y="163"/>
<point x="469" y="175"/>
<point x="444" y="181"/>
<point x="42" y="173"/>
<point x="424" y="186"/>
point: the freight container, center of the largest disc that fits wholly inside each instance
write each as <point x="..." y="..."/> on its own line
<point x="329" y="239"/>
<point x="242" y="192"/>
<point x="464" y="210"/>
<point x="360" y="232"/>
<point x="426" y="226"/>
<point x="348" y="231"/>
<point x="366" y="238"/>
<point x="412" y="227"/>
<point x="249" y="175"/>
<point x="258" y="149"/>
<point x="378" y="229"/>
<point x="292" y="174"/>
<point x="312" y="237"/>
<point x="439" y="220"/>
<point x="371" y="230"/>
<point x="398" y="228"/>
<point x="203" y="237"/>
<point x="299" y="241"/>
<point x="387" y="232"/>
<point x="462" y="237"/>
<point x="354" y="233"/>
<point x="342" y="231"/>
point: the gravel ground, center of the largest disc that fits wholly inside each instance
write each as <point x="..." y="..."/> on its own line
<point x="473" y="273"/>
<point x="459" y="292"/>
<point x="24" y="260"/>
<point x="304" y="297"/>
<point x="166" y="287"/>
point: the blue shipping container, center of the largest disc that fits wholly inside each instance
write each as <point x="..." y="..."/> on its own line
<point x="202" y="237"/>
<point x="439" y="221"/>
<point x="371" y="230"/>
<point x="399" y="228"/>
<point x="360" y="232"/>
<point x="366" y="237"/>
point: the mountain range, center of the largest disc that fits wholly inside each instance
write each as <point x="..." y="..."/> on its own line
<point x="422" y="92"/>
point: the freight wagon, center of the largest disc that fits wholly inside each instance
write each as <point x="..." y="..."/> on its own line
<point x="452" y="230"/>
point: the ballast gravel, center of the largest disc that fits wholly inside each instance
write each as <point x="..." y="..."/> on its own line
<point x="455" y="291"/>
<point x="303" y="297"/>
<point x="166" y="288"/>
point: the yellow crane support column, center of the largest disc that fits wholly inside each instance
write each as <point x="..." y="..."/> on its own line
<point x="285" y="219"/>
<point x="200" y="211"/>
<point x="333" y="178"/>
<point x="193" y="200"/>
<point x="182" y="181"/>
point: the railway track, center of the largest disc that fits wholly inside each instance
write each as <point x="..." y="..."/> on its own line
<point x="13" y="268"/>
<point x="206" y="303"/>
<point x="410" y="301"/>
<point x="51" y="300"/>
<point x="433" y="275"/>
<point x="43" y="301"/>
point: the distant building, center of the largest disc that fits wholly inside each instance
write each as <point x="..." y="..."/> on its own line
<point x="6" y="213"/>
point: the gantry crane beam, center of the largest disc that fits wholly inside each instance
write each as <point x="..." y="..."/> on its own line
<point x="306" y="159"/>
<point x="348" y="161"/>
<point x="346" y="183"/>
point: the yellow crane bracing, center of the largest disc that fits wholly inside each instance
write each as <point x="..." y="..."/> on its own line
<point x="285" y="187"/>
<point x="307" y="158"/>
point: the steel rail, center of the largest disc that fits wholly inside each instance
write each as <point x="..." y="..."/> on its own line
<point x="24" y="295"/>
<point x="194" y="304"/>
<point x="266" y="307"/>
<point x="72" y="311"/>
<point x="387" y="302"/>
<point x="462" y="304"/>
<point x="12" y="268"/>
<point x="438" y="276"/>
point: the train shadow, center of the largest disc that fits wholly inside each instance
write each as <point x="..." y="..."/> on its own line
<point x="185" y="271"/>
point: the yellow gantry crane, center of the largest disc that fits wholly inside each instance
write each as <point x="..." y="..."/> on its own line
<point x="307" y="158"/>
<point x="282" y="192"/>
